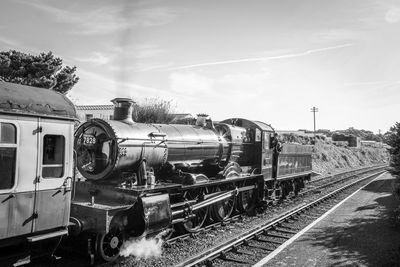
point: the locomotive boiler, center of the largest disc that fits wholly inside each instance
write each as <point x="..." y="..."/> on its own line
<point x="116" y="150"/>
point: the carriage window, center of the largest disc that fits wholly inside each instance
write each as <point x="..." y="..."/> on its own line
<point x="53" y="156"/>
<point x="8" y="155"/>
<point x="8" y="133"/>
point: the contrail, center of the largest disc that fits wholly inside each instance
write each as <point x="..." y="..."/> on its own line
<point x="260" y="58"/>
<point x="373" y="83"/>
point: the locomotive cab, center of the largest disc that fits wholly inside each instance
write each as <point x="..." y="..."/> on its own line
<point x="257" y="153"/>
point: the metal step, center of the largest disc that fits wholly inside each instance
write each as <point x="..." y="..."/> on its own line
<point x="36" y="238"/>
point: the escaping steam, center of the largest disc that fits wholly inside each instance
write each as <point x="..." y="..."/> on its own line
<point x="143" y="247"/>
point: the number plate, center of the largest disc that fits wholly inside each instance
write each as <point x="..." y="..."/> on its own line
<point x="89" y="140"/>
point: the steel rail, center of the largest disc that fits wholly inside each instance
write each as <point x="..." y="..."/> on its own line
<point x="362" y="169"/>
<point x="221" y="249"/>
<point x="354" y="173"/>
<point x="205" y="228"/>
<point x="358" y="171"/>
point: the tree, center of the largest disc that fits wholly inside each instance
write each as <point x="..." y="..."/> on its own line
<point x="392" y="138"/>
<point x="363" y="134"/>
<point x="153" y="110"/>
<point x="43" y="70"/>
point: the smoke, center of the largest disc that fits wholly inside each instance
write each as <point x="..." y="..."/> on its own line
<point x="144" y="247"/>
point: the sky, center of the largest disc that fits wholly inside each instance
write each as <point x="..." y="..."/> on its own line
<point x="270" y="61"/>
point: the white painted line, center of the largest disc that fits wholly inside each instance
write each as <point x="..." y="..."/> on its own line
<point x="291" y="240"/>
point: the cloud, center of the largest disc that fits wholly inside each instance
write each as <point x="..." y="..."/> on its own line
<point x="393" y="15"/>
<point x="190" y="83"/>
<point x="383" y="83"/>
<point x="9" y="42"/>
<point x="139" y="51"/>
<point x="94" y="88"/>
<point x="107" y="19"/>
<point x="96" y="58"/>
<point x="153" y="16"/>
<point x="12" y="44"/>
<point x="292" y="55"/>
<point x="139" y="67"/>
<point x="252" y="83"/>
<point x="338" y="35"/>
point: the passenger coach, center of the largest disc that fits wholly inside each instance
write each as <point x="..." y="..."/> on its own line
<point x="36" y="167"/>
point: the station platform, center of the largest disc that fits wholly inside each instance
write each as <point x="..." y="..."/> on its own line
<point x="359" y="232"/>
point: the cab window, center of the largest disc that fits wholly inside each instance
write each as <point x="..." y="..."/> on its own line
<point x="53" y="156"/>
<point x="258" y="135"/>
<point x="8" y="155"/>
<point x="266" y="140"/>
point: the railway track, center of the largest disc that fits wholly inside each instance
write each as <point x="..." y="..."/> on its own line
<point x="251" y="246"/>
<point x="311" y="187"/>
<point x="324" y="182"/>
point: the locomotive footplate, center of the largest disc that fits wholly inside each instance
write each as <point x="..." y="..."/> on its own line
<point x="149" y="214"/>
<point x="96" y="217"/>
<point x="100" y="207"/>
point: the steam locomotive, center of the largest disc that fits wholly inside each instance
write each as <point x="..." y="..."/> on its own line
<point x="134" y="179"/>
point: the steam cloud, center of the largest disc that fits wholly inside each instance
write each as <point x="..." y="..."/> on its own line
<point x="143" y="247"/>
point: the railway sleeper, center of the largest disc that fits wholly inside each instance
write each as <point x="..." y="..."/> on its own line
<point x="289" y="228"/>
<point x="263" y="247"/>
<point x="285" y="231"/>
<point x="277" y="236"/>
<point x="234" y="260"/>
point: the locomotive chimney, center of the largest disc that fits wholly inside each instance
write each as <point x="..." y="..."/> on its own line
<point x="123" y="109"/>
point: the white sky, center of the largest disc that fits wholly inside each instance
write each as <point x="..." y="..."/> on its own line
<point x="263" y="60"/>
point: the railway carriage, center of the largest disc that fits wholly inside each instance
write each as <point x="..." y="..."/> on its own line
<point x="135" y="179"/>
<point x="36" y="160"/>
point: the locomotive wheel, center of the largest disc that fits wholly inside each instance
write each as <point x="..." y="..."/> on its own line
<point x="223" y="209"/>
<point x="169" y="232"/>
<point x="193" y="225"/>
<point x="108" y="245"/>
<point x="245" y="200"/>
<point x="279" y="188"/>
<point x="296" y="187"/>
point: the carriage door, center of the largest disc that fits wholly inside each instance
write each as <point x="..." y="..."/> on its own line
<point x="53" y="191"/>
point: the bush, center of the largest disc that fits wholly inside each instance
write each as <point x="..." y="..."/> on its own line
<point x="153" y="110"/>
<point x="392" y="138"/>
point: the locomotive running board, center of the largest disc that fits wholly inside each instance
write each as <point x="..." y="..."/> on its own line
<point x="36" y="238"/>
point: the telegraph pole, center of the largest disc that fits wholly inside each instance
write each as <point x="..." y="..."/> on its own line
<point x="314" y="110"/>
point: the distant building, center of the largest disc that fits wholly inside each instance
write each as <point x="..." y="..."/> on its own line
<point x="352" y="141"/>
<point x="373" y="143"/>
<point x="87" y="112"/>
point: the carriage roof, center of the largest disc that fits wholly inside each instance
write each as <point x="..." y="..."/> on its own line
<point x="34" y="101"/>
